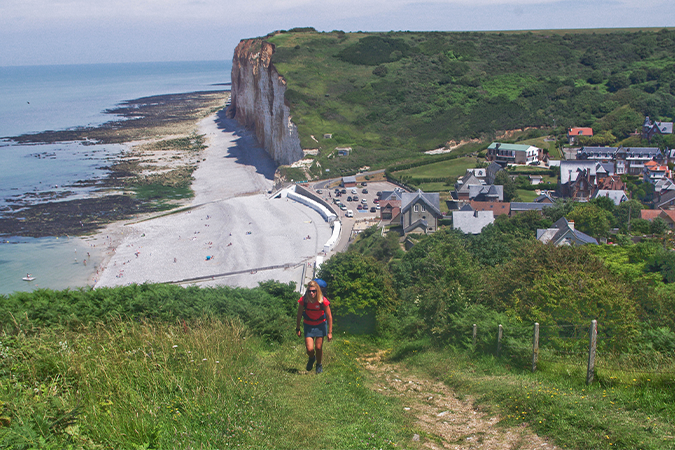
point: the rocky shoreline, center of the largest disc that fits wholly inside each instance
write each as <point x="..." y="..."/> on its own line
<point x="164" y="148"/>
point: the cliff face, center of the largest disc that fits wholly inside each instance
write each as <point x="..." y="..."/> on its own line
<point x="258" y="101"/>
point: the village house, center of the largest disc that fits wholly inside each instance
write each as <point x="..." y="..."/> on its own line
<point x="573" y="134"/>
<point x="491" y="172"/>
<point x="519" y="207"/>
<point x="630" y="160"/>
<point x="420" y="212"/>
<point x="506" y="154"/>
<point x="651" y="129"/>
<point x="667" y="215"/>
<point x="597" y="153"/>
<point x="654" y="172"/>
<point x="463" y="186"/>
<point x="612" y="183"/>
<point x="544" y="197"/>
<point x="487" y="193"/>
<point x="471" y="222"/>
<point x="617" y="196"/>
<point x="563" y="233"/>
<point x="579" y="179"/>
<point x="390" y="205"/>
<point x="636" y="157"/>
<point x="664" y="200"/>
<point x="497" y="208"/>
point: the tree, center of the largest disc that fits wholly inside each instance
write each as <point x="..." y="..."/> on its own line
<point x="591" y="219"/>
<point x="435" y="279"/>
<point x="658" y="226"/>
<point x="564" y="286"/>
<point x="627" y="211"/>
<point x="605" y="203"/>
<point x="664" y="262"/>
<point x="504" y="179"/>
<point x="561" y="208"/>
<point x="596" y="77"/>
<point x="617" y="82"/>
<point x="357" y="282"/>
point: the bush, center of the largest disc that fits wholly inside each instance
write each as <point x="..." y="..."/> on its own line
<point x="375" y="50"/>
<point x="268" y="311"/>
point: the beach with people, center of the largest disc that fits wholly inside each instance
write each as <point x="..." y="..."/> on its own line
<point x="232" y="232"/>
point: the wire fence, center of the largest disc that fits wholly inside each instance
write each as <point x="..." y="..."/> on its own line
<point x="576" y="346"/>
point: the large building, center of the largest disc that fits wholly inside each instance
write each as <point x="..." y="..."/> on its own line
<point x="420" y="212"/>
<point x="512" y="153"/>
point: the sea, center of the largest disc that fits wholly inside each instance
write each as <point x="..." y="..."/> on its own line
<point x="58" y="97"/>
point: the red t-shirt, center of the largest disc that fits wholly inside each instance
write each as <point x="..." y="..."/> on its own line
<point x="314" y="313"/>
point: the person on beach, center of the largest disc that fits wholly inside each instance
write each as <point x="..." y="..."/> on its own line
<point x="318" y="323"/>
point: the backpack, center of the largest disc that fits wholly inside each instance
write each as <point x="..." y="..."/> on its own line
<point x="304" y="312"/>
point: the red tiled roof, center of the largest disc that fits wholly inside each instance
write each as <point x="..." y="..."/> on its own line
<point x="496" y="207"/>
<point x="651" y="214"/>
<point x="580" y="131"/>
<point x="611" y="183"/>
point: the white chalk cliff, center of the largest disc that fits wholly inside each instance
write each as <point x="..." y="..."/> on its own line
<point x="258" y="101"/>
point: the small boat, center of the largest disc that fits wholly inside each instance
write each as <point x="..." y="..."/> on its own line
<point x="28" y="277"/>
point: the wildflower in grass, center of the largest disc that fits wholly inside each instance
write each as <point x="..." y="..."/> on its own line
<point x="175" y="346"/>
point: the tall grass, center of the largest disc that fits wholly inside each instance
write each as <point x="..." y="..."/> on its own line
<point x="205" y="383"/>
<point x="624" y="410"/>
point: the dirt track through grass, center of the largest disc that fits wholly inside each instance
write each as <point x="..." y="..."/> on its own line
<point x="445" y="418"/>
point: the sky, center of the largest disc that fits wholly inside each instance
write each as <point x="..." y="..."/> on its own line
<point x="109" y="31"/>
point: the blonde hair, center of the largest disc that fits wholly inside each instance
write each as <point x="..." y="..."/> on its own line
<point x="319" y="294"/>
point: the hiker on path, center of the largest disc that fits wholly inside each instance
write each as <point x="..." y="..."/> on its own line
<point x="318" y="322"/>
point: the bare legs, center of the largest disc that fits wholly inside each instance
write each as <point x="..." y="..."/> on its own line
<point x="310" y="343"/>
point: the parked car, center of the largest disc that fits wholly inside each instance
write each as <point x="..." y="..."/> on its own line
<point x="355" y="198"/>
<point x="364" y="191"/>
<point x="344" y="191"/>
<point x="319" y="191"/>
<point x="354" y="191"/>
<point x="343" y="206"/>
<point x="377" y="207"/>
<point x="364" y="200"/>
<point x="379" y="194"/>
<point x="373" y="209"/>
<point x="360" y="207"/>
<point x="349" y="199"/>
<point x="377" y="200"/>
<point x="364" y="184"/>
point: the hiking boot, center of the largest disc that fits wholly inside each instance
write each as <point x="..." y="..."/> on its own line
<point x="319" y="369"/>
<point x="310" y="363"/>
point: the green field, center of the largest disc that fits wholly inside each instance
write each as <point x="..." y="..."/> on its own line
<point x="526" y="195"/>
<point x="391" y="96"/>
<point x="453" y="168"/>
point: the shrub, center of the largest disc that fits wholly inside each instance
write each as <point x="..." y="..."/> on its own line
<point x="375" y="50"/>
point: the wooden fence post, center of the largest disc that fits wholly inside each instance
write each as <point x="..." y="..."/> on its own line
<point x="591" y="351"/>
<point x="535" y="347"/>
<point x="499" y="339"/>
<point x="475" y="329"/>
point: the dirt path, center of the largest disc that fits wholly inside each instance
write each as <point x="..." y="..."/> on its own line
<point x="446" y="419"/>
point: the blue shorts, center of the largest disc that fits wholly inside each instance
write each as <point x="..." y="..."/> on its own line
<point x="319" y="330"/>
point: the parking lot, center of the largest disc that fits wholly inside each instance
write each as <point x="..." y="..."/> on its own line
<point x="355" y="196"/>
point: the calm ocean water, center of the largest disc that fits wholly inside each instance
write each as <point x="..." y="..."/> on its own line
<point x="39" y="98"/>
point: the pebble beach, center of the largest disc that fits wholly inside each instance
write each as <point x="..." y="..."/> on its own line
<point x="232" y="233"/>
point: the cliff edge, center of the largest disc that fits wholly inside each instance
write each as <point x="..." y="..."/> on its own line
<point x="258" y="101"/>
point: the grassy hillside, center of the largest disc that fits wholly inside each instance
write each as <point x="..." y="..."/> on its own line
<point x="391" y="96"/>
